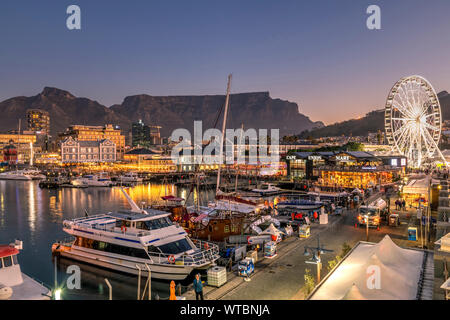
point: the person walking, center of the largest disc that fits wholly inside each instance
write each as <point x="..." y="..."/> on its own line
<point x="404" y="205"/>
<point x="198" y="287"/>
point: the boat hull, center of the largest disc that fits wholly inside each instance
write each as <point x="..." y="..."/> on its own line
<point x="158" y="271"/>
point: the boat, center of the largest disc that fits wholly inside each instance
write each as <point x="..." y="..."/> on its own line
<point x="267" y="189"/>
<point x="235" y="203"/>
<point x="299" y="204"/>
<point x="130" y="177"/>
<point x="14" y="284"/>
<point x="15" y="175"/>
<point x="214" y="225"/>
<point x="34" y="174"/>
<point x="54" y="180"/>
<point x="129" y="241"/>
<point x="94" y="180"/>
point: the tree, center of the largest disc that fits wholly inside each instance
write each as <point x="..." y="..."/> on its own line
<point x="310" y="281"/>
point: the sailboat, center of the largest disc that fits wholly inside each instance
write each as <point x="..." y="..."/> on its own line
<point x="231" y="201"/>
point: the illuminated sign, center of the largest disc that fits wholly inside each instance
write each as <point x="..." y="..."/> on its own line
<point x="314" y="158"/>
<point x="369" y="168"/>
<point x="291" y="158"/>
<point x="394" y="162"/>
<point x="403" y="162"/>
<point x="342" y="158"/>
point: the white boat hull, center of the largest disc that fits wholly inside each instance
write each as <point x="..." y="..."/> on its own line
<point x="158" y="271"/>
<point x="14" y="177"/>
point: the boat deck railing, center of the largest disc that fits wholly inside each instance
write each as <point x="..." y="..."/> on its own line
<point x="206" y="253"/>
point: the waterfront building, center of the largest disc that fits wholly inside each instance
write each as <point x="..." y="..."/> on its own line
<point x="97" y="133"/>
<point x="22" y="142"/>
<point x="143" y="135"/>
<point x="76" y="151"/>
<point x="10" y="154"/>
<point x="143" y="159"/>
<point x="347" y="169"/>
<point x="38" y="121"/>
<point x="140" y="134"/>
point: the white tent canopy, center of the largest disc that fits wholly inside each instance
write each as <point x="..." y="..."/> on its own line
<point x="398" y="271"/>
<point x="272" y="230"/>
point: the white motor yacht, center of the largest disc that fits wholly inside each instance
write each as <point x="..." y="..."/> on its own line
<point x="94" y="180"/>
<point x="130" y="177"/>
<point x="129" y="241"/>
<point x="15" y="175"/>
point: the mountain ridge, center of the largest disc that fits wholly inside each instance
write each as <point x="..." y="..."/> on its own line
<point x="254" y="109"/>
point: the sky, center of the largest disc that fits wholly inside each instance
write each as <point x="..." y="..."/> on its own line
<point x="319" y="54"/>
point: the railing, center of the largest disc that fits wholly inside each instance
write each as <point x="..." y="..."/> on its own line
<point x="207" y="252"/>
<point x="113" y="229"/>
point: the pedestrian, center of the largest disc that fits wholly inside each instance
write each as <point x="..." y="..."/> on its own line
<point x="404" y="205"/>
<point x="198" y="287"/>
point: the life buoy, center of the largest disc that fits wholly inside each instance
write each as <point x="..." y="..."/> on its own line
<point x="206" y="246"/>
<point x="123" y="229"/>
<point x="171" y="259"/>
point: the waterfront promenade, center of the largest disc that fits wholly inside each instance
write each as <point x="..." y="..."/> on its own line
<point x="282" y="277"/>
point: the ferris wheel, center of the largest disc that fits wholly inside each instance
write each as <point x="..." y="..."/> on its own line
<point x="413" y="120"/>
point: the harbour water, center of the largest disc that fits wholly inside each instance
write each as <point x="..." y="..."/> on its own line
<point x="35" y="216"/>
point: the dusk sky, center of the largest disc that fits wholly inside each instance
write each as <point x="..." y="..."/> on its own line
<point x="318" y="53"/>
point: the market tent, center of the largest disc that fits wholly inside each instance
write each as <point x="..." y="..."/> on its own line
<point x="272" y="230"/>
<point x="417" y="186"/>
<point x="394" y="272"/>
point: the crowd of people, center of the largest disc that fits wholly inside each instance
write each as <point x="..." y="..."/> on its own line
<point x="400" y="204"/>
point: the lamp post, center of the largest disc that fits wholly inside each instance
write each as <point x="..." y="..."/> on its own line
<point x="316" y="252"/>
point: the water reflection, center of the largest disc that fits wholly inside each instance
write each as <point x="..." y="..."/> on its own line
<point x="35" y="216"/>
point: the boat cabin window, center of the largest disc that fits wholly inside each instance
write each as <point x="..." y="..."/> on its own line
<point x="7" y="262"/>
<point x="176" y="247"/>
<point x="154" y="224"/>
<point x="153" y="249"/>
<point x="123" y="223"/>
<point x="112" y="248"/>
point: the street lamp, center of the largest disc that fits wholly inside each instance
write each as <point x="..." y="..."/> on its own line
<point x="316" y="252"/>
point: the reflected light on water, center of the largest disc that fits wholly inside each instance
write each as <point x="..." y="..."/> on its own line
<point x="32" y="208"/>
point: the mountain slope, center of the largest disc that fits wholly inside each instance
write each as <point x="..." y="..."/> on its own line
<point x="255" y="110"/>
<point x="371" y="122"/>
<point x="64" y="109"/>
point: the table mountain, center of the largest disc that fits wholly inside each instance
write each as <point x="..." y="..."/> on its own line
<point x="255" y="110"/>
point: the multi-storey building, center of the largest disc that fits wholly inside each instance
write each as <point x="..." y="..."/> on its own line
<point x="38" y="121"/>
<point x="23" y="142"/>
<point x="76" y="151"/>
<point x="143" y="135"/>
<point x="97" y="133"/>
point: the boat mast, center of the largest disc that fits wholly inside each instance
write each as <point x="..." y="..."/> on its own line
<point x="237" y="167"/>
<point x="224" y="124"/>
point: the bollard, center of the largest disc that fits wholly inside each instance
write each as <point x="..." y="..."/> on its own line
<point x="172" y="291"/>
